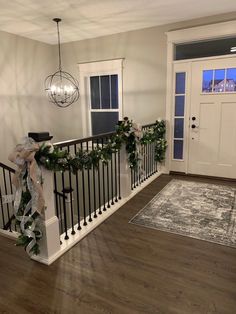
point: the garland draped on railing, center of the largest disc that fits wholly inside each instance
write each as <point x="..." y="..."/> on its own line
<point x="127" y="133"/>
<point x="28" y="156"/>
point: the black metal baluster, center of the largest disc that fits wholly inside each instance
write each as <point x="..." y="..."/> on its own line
<point x="89" y="192"/>
<point x="64" y="205"/>
<point x="112" y="180"/>
<point x="77" y="194"/>
<point x="94" y="188"/>
<point x="71" y="198"/>
<point x="60" y="213"/>
<point x="99" y="185"/>
<point x="55" y="192"/>
<point x="116" y="200"/>
<point x="3" y="218"/>
<point x="83" y="188"/>
<point x="103" y="178"/>
<point x="135" y="178"/>
<point x="145" y="162"/>
<point x="140" y="164"/>
<point x="148" y="154"/>
<point x="150" y="159"/>
<point x="5" y="187"/>
<point x="108" y="182"/>
<point x="153" y="161"/>
<point x="131" y="178"/>
<point x="119" y="191"/>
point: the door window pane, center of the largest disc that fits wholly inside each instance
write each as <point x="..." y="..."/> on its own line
<point x="179" y="128"/>
<point x="114" y="91"/>
<point x="178" y="149"/>
<point x="94" y="92"/>
<point x="230" y="84"/>
<point x="219" y="81"/>
<point x="103" y="122"/>
<point x="180" y="83"/>
<point x="105" y="92"/>
<point x="207" y="81"/>
<point x="179" y="106"/>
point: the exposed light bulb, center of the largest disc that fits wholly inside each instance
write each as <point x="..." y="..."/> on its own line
<point x="233" y="49"/>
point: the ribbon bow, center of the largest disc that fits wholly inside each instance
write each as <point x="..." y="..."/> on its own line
<point x="23" y="157"/>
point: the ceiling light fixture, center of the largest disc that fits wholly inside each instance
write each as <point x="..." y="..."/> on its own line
<point x="233" y="49"/>
<point x="61" y="87"/>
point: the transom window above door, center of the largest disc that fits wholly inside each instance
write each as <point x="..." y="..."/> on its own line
<point x="219" y="81"/>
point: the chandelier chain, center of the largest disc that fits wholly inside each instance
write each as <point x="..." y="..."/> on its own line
<point x="59" y="46"/>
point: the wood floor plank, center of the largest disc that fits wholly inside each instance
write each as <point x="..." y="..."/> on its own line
<point x="122" y="268"/>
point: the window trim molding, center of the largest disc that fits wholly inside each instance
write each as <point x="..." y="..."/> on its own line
<point x="197" y="33"/>
<point x="104" y="67"/>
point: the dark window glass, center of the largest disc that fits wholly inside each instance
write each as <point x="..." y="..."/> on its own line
<point x="94" y="90"/>
<point x="207" y="81"/>
<point x="105" y="92"/>
<point x="114" y="91"/>
<point x="178" y="149"/>
<point x="219" y="81"/>
<point x="179" y="106"/>
<point x="205" y="49"/>
<point x="179" y="128"/>
<point x="180" y="83"/>
<point x="103" y="122"/>
<point x="230" y="84"/>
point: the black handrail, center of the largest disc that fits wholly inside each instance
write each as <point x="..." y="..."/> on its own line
<point x="83" y="140"/>
<point x="7" y="167"/>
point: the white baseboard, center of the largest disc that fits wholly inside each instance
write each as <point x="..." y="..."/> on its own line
<point x="10" y="235"/>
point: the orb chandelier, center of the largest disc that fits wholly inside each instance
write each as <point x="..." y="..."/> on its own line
<point x="61" y="87"/>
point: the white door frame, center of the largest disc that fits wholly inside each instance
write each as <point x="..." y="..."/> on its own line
<point x="213" y="31"/>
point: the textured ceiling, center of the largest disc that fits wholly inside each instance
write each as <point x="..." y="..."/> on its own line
<point x="84" y="19"/>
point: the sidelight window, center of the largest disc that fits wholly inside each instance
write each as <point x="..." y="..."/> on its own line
<point x="180" y="95"/>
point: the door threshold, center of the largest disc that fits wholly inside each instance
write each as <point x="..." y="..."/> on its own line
<point x="201" y="176"/>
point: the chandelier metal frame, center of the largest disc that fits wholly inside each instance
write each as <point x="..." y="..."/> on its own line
<point x="58" y="92"/>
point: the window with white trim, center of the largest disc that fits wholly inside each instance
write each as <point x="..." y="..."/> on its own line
<point x="103" y="95"/>
<point x="104" y="108"/>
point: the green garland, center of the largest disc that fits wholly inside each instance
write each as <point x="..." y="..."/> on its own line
<point x="61" y="160"/>
<point x="54" y="159"/>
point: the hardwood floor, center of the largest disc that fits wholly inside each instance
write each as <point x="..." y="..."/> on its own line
<point x="123" y="268"/>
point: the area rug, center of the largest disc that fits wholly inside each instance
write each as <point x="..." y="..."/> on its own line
<point x="198" y="210"/>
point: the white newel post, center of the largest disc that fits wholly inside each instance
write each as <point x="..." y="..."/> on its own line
<point x="49" y="244"/>
<point x="125" y="173"/>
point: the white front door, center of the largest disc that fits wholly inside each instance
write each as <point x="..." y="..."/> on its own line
<point x="212" y="121"/>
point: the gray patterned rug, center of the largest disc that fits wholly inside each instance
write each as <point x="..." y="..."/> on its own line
<point x="199" y="210"/>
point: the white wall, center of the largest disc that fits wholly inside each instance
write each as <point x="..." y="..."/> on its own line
<point x="24" y="65"/>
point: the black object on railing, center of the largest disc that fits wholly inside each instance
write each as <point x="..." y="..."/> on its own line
<point x="7" y="216"/>
<point x="90" y="191"/>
